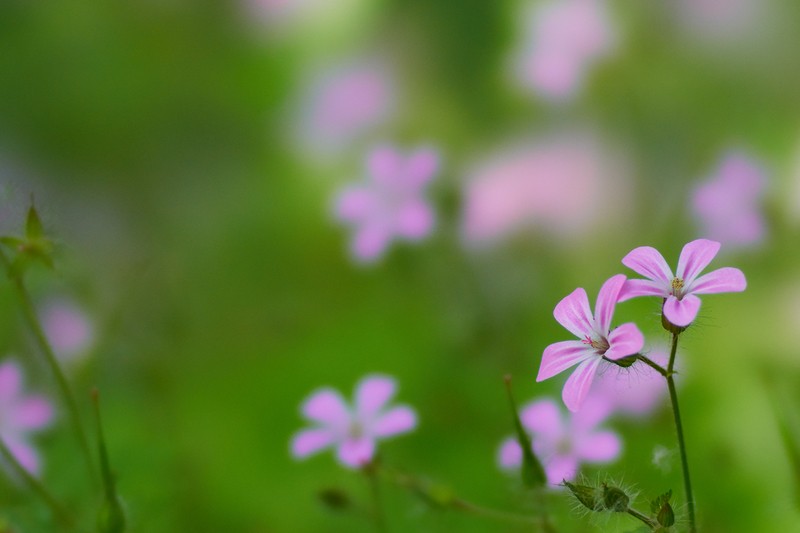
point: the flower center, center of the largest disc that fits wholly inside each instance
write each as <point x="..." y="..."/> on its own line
<point x="355" y="431"/>
<point x="677" y="286"/>
<point x="601" y="344"/>
<point x="564" y="446"/>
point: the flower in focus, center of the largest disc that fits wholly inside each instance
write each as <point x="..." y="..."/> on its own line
<point x="352" y="430"/>
<point x="564" y="38"/>
<point x="634" y="391"/>
<point x="391" y="203"/>
<point x="598" y="340"/>
<point x="727" y="205"/>
<point x="21" y="414"/>
<point x="67" y="328"/>
<point x="562" y="443"/>
<point x="679" y="290"/>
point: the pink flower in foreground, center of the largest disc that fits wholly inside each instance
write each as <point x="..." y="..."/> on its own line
<point x="598" y="340"/>
<point x="679" y="290"/>
<point x="392" y="203"/>
<point x="352" y="430"/>
<point x="562" y="443"/>
<point x="21" y="414"/>
<point x="728" y="204"/>
<point x="67" y="328"/>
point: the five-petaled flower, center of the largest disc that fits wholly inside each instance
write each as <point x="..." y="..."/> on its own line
<point x="562" y="444"/>
<point x="353" y="431"/>
<point x="21" y="414"/>
<point x="598" y="340"/>
<point x="679" y="290"/>
<point x="391" y="204"/>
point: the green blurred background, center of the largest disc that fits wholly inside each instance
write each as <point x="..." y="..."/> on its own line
<point x="197" y="232"/>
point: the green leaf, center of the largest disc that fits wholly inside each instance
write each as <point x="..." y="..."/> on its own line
<point x="532" y="471"/>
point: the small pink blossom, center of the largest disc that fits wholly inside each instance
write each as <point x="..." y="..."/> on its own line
<point x="21" y="414"/>
<point x="598" y="340"/>
<point x="679" y="290"/>
<point x="353" y="431"/>
<point x="392" y="203"/>
<point x="728" y="204"/>
<point x="562" y="443"/>
<point x="67" y="328"/>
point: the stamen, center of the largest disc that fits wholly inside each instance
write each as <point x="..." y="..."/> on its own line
<point x="677" y="285"/>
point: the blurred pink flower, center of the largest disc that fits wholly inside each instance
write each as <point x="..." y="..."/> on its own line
<point x="679" y="290"/>
<point x="568" y="185"/>
<point x="728" y="204"/>
<point x="636" y="390"/>
<point x="353" y="431"/>
<point x="67" y="328"/>
<point x="21" y="414"/>
<point x="391" y="203"/>
<point x="598" y="340"/>
<point x="565" y="37"/>
<point x="562" y="443"/>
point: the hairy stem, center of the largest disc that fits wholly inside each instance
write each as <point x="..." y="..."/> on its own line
<point x="652" y="524"/>
<point x="652" y="364"/>
<point x="673" y="396"/>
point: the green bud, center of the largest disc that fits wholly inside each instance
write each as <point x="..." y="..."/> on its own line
<point x="615" y="499"/>
<point x="588" y="496"/>
<point x="663" y="510"/>
<point x="334" y="498"/>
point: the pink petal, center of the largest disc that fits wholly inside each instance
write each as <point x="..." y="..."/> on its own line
<point x="10" y="380"/>
<point x="384" y="164"/>
<point x="327" y="407"/>
<point x="726" y="279"/>
<point x="371" y="395"/>
<point x="542" y="417"/>
<point x="396" y="420"/>
<point x="642" y="287"/>
<point x="573" y="313"/>
<point x="355" y="204"/>
<point x="601" y="447"/>
<point x="25" y="455"/>
<point x="414" y="220"/>
<point x="560" y="356"/>
<point x="561" y="467"/>
<point x="607" y="301"/>
<point x="695" y="256"/>
<point x="682" y="312"/>
<point x="422" y="166"/>
<point x="578" y="384"/>
<point x="33" y="412"/>
<point x="648" y="262"/>
<point x="510" y="454"/>
<point x="310" y="441"/>
<point x="356" y="453"/>
<point x="624" y="341"/>
<point x="370" y="242"/>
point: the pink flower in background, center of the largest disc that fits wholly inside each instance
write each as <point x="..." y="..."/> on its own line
<point x="568" y="185"/>
<point x="67" y="328"/>
<point x="21" y="414"/>
<point x="679" y="290"/>
<point x="562" y="443"/>
<point x="392" y="202"/>
<point x="598" y="340"/>
<point x="728" y="204"/>
<point x="565" y="37"/>
<point x="353" y="431"/>
<point x="636" y="391"/>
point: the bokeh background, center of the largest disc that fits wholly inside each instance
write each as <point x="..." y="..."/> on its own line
<point x="187" y="156"/>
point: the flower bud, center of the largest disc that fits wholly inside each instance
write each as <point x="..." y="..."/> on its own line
<point x="588" y="496"/>
<point x="615" y="499"/>
<point x="663" y="510"/>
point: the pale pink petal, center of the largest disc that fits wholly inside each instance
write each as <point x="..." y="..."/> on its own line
<point x="33" y="412"/>
<point x="578" y="384"/>
<point x="327" y="407"/>
<point x="309" y="441"/>
<point x="624" y="341"/>
<point x="561" y="467"/>
<point x="695" y="256"/>
<point x="356" y="453"/>
<point x="414" y="220"/>
<point x="561" y="355"/>
<point x="573" y="313"/>
<point x="648" y="262"/>
<point x="370" y="242"/>
<point x="601" y="447"/>
<point x="542" y="417"/>
<point x="642" y="287"/>
<point x="606" y="301"/>
<point x="384" y="165"/>
<point x="510" y="454"/>
<point x="355" y="204"/>
<point x="371" y="395"/>
<point x="24" y="454"/>
<point x="396" y="420"/>
<point x="422" y="166"/>
<point x="726" y="279"/>
<point x="682" y="312"/>
<point x="10" y="381"/>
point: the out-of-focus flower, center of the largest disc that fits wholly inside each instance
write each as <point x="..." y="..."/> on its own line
<point x="68" y="328"/>
<point x="563" y="40"/>
<point x="598" y="340"/>
<point x="391" y="203"/>
<point x="636" y="390"/>
<point x="568" y="185"/>
<point x="21" y="414"/>
<point x="728" y="204"/>
<point x="562" y="443"/>
<point x="353" y="431"/>
<point x="679" y="290"/>
<point x="343" y="105"/>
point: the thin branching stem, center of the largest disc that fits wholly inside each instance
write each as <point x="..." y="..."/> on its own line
<point x="652" y="524"/>
<point x="652" y="364"/>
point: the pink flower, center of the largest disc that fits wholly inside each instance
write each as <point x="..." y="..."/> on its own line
<point x="728" y="204"/>
<point x="21" y="414"/>
<point x="560" y="443"/>
<point x="679" y="290"/>
<point x="598" y="340"/>
<point x="353" y="431"/>
<point x="391" y="204"/>
<point x="67" y="328"/>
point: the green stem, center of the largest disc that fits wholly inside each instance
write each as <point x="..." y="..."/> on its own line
<point x="652" y="524"/>
<point x="673" y="396"/>
<point x="371" y="471"/>
<point x="652" y="364"/>
<point x="60" y="512"/>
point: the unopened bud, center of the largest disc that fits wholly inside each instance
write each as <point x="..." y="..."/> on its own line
<point x="588" y="496"/>
<point x="663" y="510"/>
<point x="615" y="499"/>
